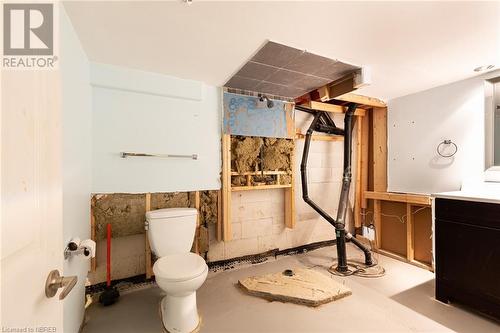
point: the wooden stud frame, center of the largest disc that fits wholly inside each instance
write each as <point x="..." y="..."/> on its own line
<point x="331" y="108"/>
<point x="361" y="182"/>
<point x="93" y="261"/>
<point x="379" y="166"/>
<point x="410" y="239"/>
<point x="227" y="189"/>
<point x="290" y="196"/>
<point x="318" y="137"/>
<point x="358" y="180"/>
<point x="218" y="230"/>
<point x="149" y="266"/>
<point x="365" y="140"/>
<point x="148" y="258"/>
<point x="380" y="194"/>
<point x="198" y="219"/>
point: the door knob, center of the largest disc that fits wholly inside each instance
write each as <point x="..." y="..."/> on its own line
<point x="56" y="281"/>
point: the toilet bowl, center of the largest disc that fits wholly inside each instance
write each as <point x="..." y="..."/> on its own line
<point x="178" y="272"/>
<point x="180" y="275"/>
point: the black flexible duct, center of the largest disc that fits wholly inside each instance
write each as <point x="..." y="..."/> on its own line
<point x="322" y="122"/>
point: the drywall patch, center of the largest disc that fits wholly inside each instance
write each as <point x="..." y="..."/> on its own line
<point x="125" y="212"/>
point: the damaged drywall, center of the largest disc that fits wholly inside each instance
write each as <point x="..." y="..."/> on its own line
<point x="255" y="154"/>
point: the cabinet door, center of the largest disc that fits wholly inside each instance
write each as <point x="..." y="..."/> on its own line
<point x="468" y="259"/>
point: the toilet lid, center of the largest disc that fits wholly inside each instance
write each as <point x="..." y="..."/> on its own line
<point x="179" y="267"/>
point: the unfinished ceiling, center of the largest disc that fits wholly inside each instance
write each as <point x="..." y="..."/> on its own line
<point x="282" y="70"/>
<point x="409" y="46"/>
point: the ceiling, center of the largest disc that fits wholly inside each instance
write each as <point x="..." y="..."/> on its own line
<point x="409" y="46"/>
<point x="282" y="70"/>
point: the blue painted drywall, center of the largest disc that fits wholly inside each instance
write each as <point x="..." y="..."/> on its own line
<point x="246" y="115"/>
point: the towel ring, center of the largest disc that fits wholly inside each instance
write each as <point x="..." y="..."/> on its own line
<point x="446" y="142"/>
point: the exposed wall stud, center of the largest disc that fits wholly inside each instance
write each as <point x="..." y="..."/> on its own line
<point x="410" y="239"/>
<point x="357" y="192"/>
<point x="149" y="266"/>
<point x="290" y="195"/>
<point x="93" y="261"/>
<point x="226" y="187"/>
<point x="198" y="217"/>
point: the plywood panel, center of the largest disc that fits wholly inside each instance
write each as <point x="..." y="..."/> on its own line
<point x="422" y="229"/>
<point x="393" y="237"/>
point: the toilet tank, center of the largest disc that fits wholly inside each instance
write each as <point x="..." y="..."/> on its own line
<point x="171" y="230"/>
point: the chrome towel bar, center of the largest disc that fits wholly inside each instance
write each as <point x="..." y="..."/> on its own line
<point x="129" y="154"/>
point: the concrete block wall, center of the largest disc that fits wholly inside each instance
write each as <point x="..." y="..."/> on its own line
<point x="258" y="216"/>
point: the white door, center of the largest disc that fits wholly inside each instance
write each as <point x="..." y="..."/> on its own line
<point x="31" y="196"/>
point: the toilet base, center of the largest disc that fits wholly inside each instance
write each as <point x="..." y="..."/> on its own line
<point x="180" y="314"/>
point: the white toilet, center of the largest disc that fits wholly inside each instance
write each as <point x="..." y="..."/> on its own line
<point x="178" y="272"/>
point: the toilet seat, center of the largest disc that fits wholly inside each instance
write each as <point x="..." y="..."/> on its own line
<point x="180" y="267"/>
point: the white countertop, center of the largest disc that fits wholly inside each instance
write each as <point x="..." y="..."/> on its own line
<point x="486" y="192"/>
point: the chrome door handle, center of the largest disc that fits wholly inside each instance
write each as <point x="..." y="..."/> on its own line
<point x="56" y="281"/>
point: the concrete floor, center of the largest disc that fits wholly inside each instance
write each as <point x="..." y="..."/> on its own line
<point x="401" y="301"/>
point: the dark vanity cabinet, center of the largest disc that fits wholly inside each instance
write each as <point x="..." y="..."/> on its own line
<point x="467" y="249"/>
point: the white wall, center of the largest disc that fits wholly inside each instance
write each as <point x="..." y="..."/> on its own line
<point x="76" y="162"/>
<point x="258" y="223"/>
<point x="417" y="123"/>
<point x="150" y="113"/>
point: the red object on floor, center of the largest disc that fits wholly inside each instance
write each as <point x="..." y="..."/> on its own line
<point x="108" y="255"/>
